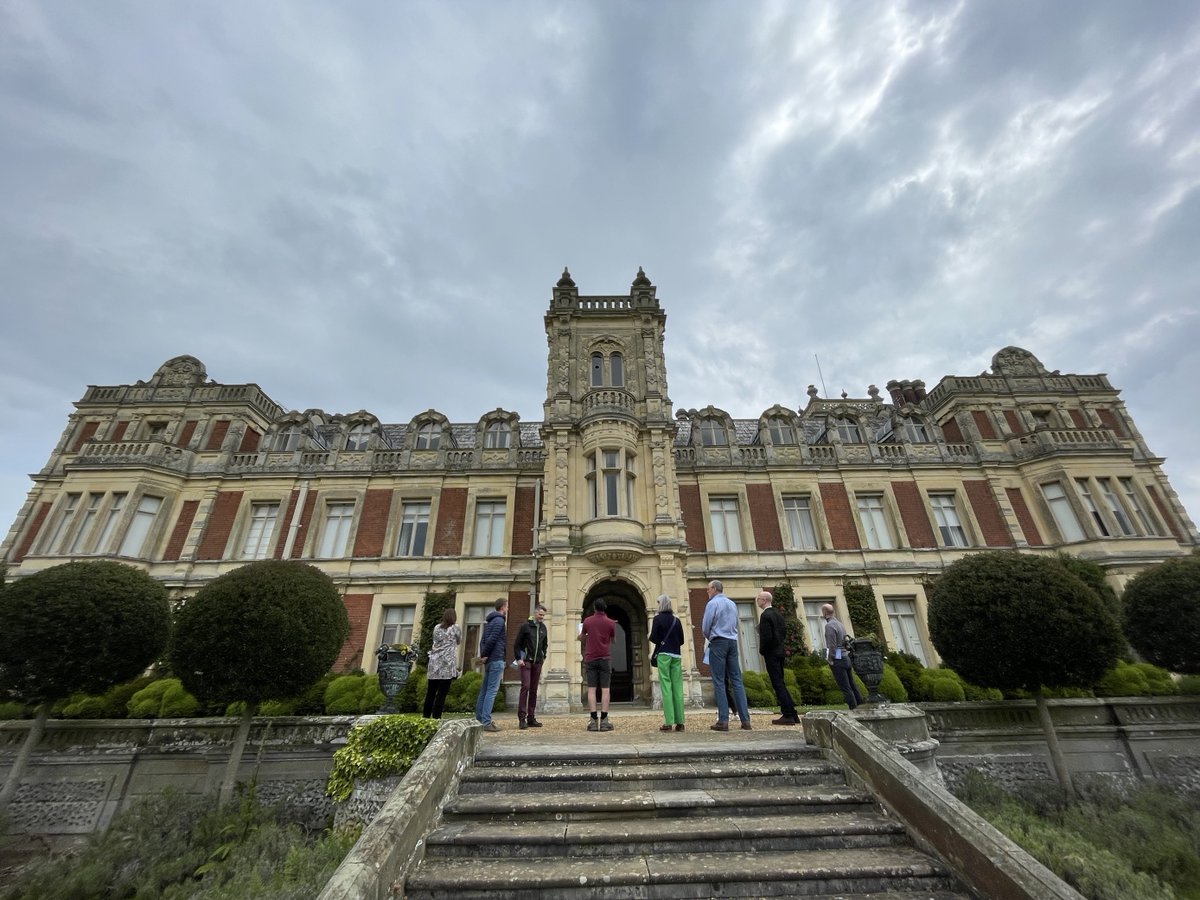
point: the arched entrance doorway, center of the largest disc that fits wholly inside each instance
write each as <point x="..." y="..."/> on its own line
<point x="627" y="608"/>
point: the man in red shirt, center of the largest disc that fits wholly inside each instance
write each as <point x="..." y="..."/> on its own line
<point x="597" y="633"/>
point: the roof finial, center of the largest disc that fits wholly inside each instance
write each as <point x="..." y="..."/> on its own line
<point x="641" y="280"/>
<point x="566" y="280"/>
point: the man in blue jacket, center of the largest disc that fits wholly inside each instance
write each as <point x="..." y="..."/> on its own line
<point x="492" y="645"/>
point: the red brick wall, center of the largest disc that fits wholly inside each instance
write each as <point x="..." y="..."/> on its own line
<point x="249" y="441"/>
<point x="952" y="432"/>
<point x="451" y="522"/>
<point x="1014" y="421"/>
<point x="912" y="514"/>
<point x="219" y="525"/>
<point x="216" y="437"/>
<point x="1025" y="519"/>
<point x="840" y="516"/>
<point x="310" y="504"/>
<point x="764" y="517"/>
<point x="984" y="423"/>
<point x="185" y="436"/>
<point x="518" y="614"/>
<point x="1164" y="512"/>
<point x="39" y="519"/>
<point x="693" y="518"/>
<point x="285" y="523"/>
<point x="118" y="431"/>
<point x="182" y="525"/>
<point x="988" y="515"/>
<point x="1079" y="418"/>
<point x="1109" y="419"/>
<point x="358" y="608"/>
<point x="372" y="524"/>
<point x="86" y="433"/>
<point x="523" y="517"/>
<point x="697" y="600"/>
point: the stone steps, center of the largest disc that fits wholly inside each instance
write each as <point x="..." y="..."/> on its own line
<point x="770" y="819"/>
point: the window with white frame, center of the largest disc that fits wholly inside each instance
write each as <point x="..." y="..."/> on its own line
<point x="156" y="430"/>
<point x="797" y="512"/>
<point x="610" y="476"/>
<point x="712" y="433"/>
<point x="1061" y="511"/>
<point x="1089" y="503"/>
<point x="86" y="522"/>
<point x="916" y="431"/>
<point x="726" y="531"/>
<point x="414" y="528"/>
<point x="134" y="543"/>
<point x="1113" y="501"/>
<point x="496" y="437"/>
<point x="751" y="659"/>
<point x="780" y="431"/>
<point x="906" y="635"/>
<point x="429" y="436"/>
<point x="945" y="513"/>
<point x="289" y="438"/>
<point x="259" y="530"/>
<point x="847" y="430"/>
<point x="489" y="527"/>
<point x="814" y="622"/>
<point x="63" y="524"/>
<point x="1135" y="504"/>
<point x="475" y="615"/>
<point x="873" y="519"/>
<point x="111" y="519"/>
<point x="358" y="437"/>
<point x="397" y="624"/>
<point x="335" y="532"/>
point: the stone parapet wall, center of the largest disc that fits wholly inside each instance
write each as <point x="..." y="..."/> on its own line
<point x="1127" y="738"/>
<point x="84" y="772"/>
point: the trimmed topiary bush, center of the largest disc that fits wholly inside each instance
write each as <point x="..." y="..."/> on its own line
<point x="891" y="686"/>
<point x="942" y="686"/>
<point x="864" y="614"/>
<point x="758" y="690"/>
<point x="352" y="695"/>
<point x="464" y="691"/>
<point x="165" y="698"/>
<point x="1162" y="614"/>
<point x="908" y="669"/>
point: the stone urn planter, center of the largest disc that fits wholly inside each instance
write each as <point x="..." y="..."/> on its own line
<point x="867" y="662"/>
<point x="395" y="665"/>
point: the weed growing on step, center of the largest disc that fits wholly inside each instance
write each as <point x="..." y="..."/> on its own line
<point x="177" y="847"/>
<point x="1113" y="843"/>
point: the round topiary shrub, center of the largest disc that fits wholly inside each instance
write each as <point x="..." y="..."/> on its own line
<point x="942" y="686"/>
<point x="1162" y="614"/>
<point x="892" y="687"/>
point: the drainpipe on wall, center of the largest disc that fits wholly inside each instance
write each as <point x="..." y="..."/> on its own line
<point x="294" y="526"/>
<point x="533" y="574"/>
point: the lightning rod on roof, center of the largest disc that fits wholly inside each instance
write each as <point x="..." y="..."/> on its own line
<point x="824" y="392"/>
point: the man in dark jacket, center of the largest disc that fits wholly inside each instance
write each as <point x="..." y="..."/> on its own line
<point x="491" y="652"/>
<point x="772" y="638"/>
<point x="530" y="650"/>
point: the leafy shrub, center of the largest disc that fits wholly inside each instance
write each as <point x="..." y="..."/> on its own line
<point x="464" y="691"/>
<point x="810" y="671"/>
<point x="891" y="686"/>
<point x="82" y="706"/>
<point x="942" y="686"/>
<point x="175" y="846"/>
<point x="385" y="746"/>
<point x="1123" y="680"/>
<point x="277" y="708"/>
<point x="1158" y="680"/>
<point x="10" y="709"/>
<point x="759" y="692"/>
<point x="165" y="698"/>
<point x="412" y="696"/>
<point x="1188" y="684"/>
<point x="864" y="613"/>
<point x="1162" y="614"/>
<point x="785" y="602"/>
<point x="975" y="693"/>
<point x="351" y="695"/>
<point x="908" y="669"/>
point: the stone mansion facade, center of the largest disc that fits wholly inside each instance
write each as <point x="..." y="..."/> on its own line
<point x="612" y="494"/>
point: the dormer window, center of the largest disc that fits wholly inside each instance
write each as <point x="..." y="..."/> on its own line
<point x="358" y="437"/>
<point x="497" y="436"/>
<point x="712" y="433"/>
<point x="429" y="436"/>
<point x="780" y="431"/>
<point x="847" y="430"/>
<point x="289" y="438"/>
<point x="916" y="431"/>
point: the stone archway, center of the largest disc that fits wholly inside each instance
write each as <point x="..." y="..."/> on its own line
<point x="626" y="607"/>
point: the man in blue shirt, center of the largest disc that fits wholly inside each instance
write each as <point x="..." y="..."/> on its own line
<point x="720" y="627"/>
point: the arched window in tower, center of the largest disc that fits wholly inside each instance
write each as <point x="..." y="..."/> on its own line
<point x="597" y="370"/>
<point x="712" y="433"/>
<point x="497" y="436"/>
<point x="358" y="437"/>
<point x="289" y="438"/>
<point x="780" y="431"/>
<point x="616" y="369"/>
<point x="429" y="436"/>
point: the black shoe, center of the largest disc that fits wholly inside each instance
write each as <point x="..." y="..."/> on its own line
<point x="522" y="724"/>
<point x="533" y="723"/>
<point x="786" y="720"/>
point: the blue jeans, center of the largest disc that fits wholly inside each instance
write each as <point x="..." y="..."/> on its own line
<point x="488" y="690"/>
<point x="723" y="662"/>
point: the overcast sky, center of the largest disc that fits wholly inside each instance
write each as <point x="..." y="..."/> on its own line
<point x="367" y="204"/>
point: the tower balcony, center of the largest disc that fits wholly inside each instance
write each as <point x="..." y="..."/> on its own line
<point x="613" y="541"/>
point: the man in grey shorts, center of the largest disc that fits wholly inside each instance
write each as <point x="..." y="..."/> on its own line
<point x="597" y="633"/>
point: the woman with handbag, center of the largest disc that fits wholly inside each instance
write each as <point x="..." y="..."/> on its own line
<point x="666" y="634"/>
